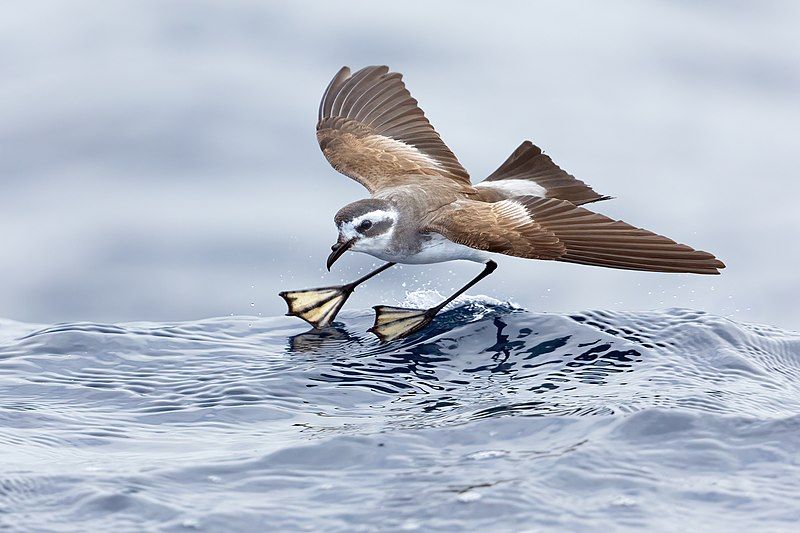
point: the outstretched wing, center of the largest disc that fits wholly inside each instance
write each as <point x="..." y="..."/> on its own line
<point x="372" y="130"/>
<point x="547" y="228"/>
<point x="528" y="171"/>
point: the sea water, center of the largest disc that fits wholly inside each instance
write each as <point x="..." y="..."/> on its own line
<point x="494" y="418"/>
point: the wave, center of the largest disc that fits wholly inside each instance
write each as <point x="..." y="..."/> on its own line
<point x="495" y="416"/>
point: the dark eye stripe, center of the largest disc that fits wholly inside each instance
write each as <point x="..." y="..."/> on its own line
<point x="379" y="227"/>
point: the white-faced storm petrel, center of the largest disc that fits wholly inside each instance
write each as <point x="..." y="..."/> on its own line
<point x="424" y="209"/>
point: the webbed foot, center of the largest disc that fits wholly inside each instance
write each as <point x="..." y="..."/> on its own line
<point x="396" y="322"/>
<point x="318" y="307"/>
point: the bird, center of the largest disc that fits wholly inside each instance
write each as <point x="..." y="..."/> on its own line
<point x="423" y="207"/>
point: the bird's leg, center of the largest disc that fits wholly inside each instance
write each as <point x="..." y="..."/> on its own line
<point x="396" y="322"/>
<point x="320" y="306"/>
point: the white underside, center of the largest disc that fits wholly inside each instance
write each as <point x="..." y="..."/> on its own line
<point x="437" y="249"/>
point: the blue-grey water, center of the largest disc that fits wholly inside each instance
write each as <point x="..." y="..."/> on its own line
<point x="494" y="418"/>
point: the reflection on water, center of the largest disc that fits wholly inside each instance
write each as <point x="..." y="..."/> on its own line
<point x="493" y="416"/>
<point x="434" y="366"/>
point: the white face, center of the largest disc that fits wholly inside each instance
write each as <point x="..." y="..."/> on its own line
<point x="372" y="231"/>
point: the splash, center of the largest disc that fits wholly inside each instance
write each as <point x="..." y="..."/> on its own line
<point x="424" y="298"/>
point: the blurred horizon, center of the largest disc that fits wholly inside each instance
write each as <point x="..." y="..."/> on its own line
<point x="159" y="161"/>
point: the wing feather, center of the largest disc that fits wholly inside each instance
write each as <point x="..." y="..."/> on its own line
<point x="326" y="104"/>
<point x="548" y="228"/>
<point x="504" y="227"/>
<point x="372" y="130"/>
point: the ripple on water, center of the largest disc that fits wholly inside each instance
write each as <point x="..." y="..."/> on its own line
<point x="494" y="415"/>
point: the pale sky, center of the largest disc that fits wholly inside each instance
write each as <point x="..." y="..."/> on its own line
<point x="158" y="159"/>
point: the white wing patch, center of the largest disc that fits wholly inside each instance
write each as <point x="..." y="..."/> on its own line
<point x="512" y="187"/>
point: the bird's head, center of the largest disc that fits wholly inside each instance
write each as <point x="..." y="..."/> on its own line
<point x="364" y="226"/>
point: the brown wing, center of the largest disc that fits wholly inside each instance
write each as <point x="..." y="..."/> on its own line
<point x="371" y="129"/>
<point x="531" y="169"/>
<point x="542" y="228"/>
<point x="504" y="227"/>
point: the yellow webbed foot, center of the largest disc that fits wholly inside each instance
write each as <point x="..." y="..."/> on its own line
<point x="318" y="307"/>
<point x="396" y="322"/>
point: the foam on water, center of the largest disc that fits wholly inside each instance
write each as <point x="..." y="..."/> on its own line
<point x="425" y="298"/>
<point x="493" y="417"/>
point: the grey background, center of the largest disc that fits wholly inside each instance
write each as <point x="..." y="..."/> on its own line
<point x="158" y="159"/>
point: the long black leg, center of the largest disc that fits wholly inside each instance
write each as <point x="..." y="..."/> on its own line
<point x="396" y="322"/>
<point x="488" y="269"/>
<point x="320" y="306"/>
<point x="362" y="279"/>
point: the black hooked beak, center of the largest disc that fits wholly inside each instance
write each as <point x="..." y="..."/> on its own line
<point x="338" y="250"/>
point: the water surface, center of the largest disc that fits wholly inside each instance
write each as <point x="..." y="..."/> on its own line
<point x="495" y="417"/>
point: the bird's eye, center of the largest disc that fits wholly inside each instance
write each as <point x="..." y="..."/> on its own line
<point x="364" y="226"/>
